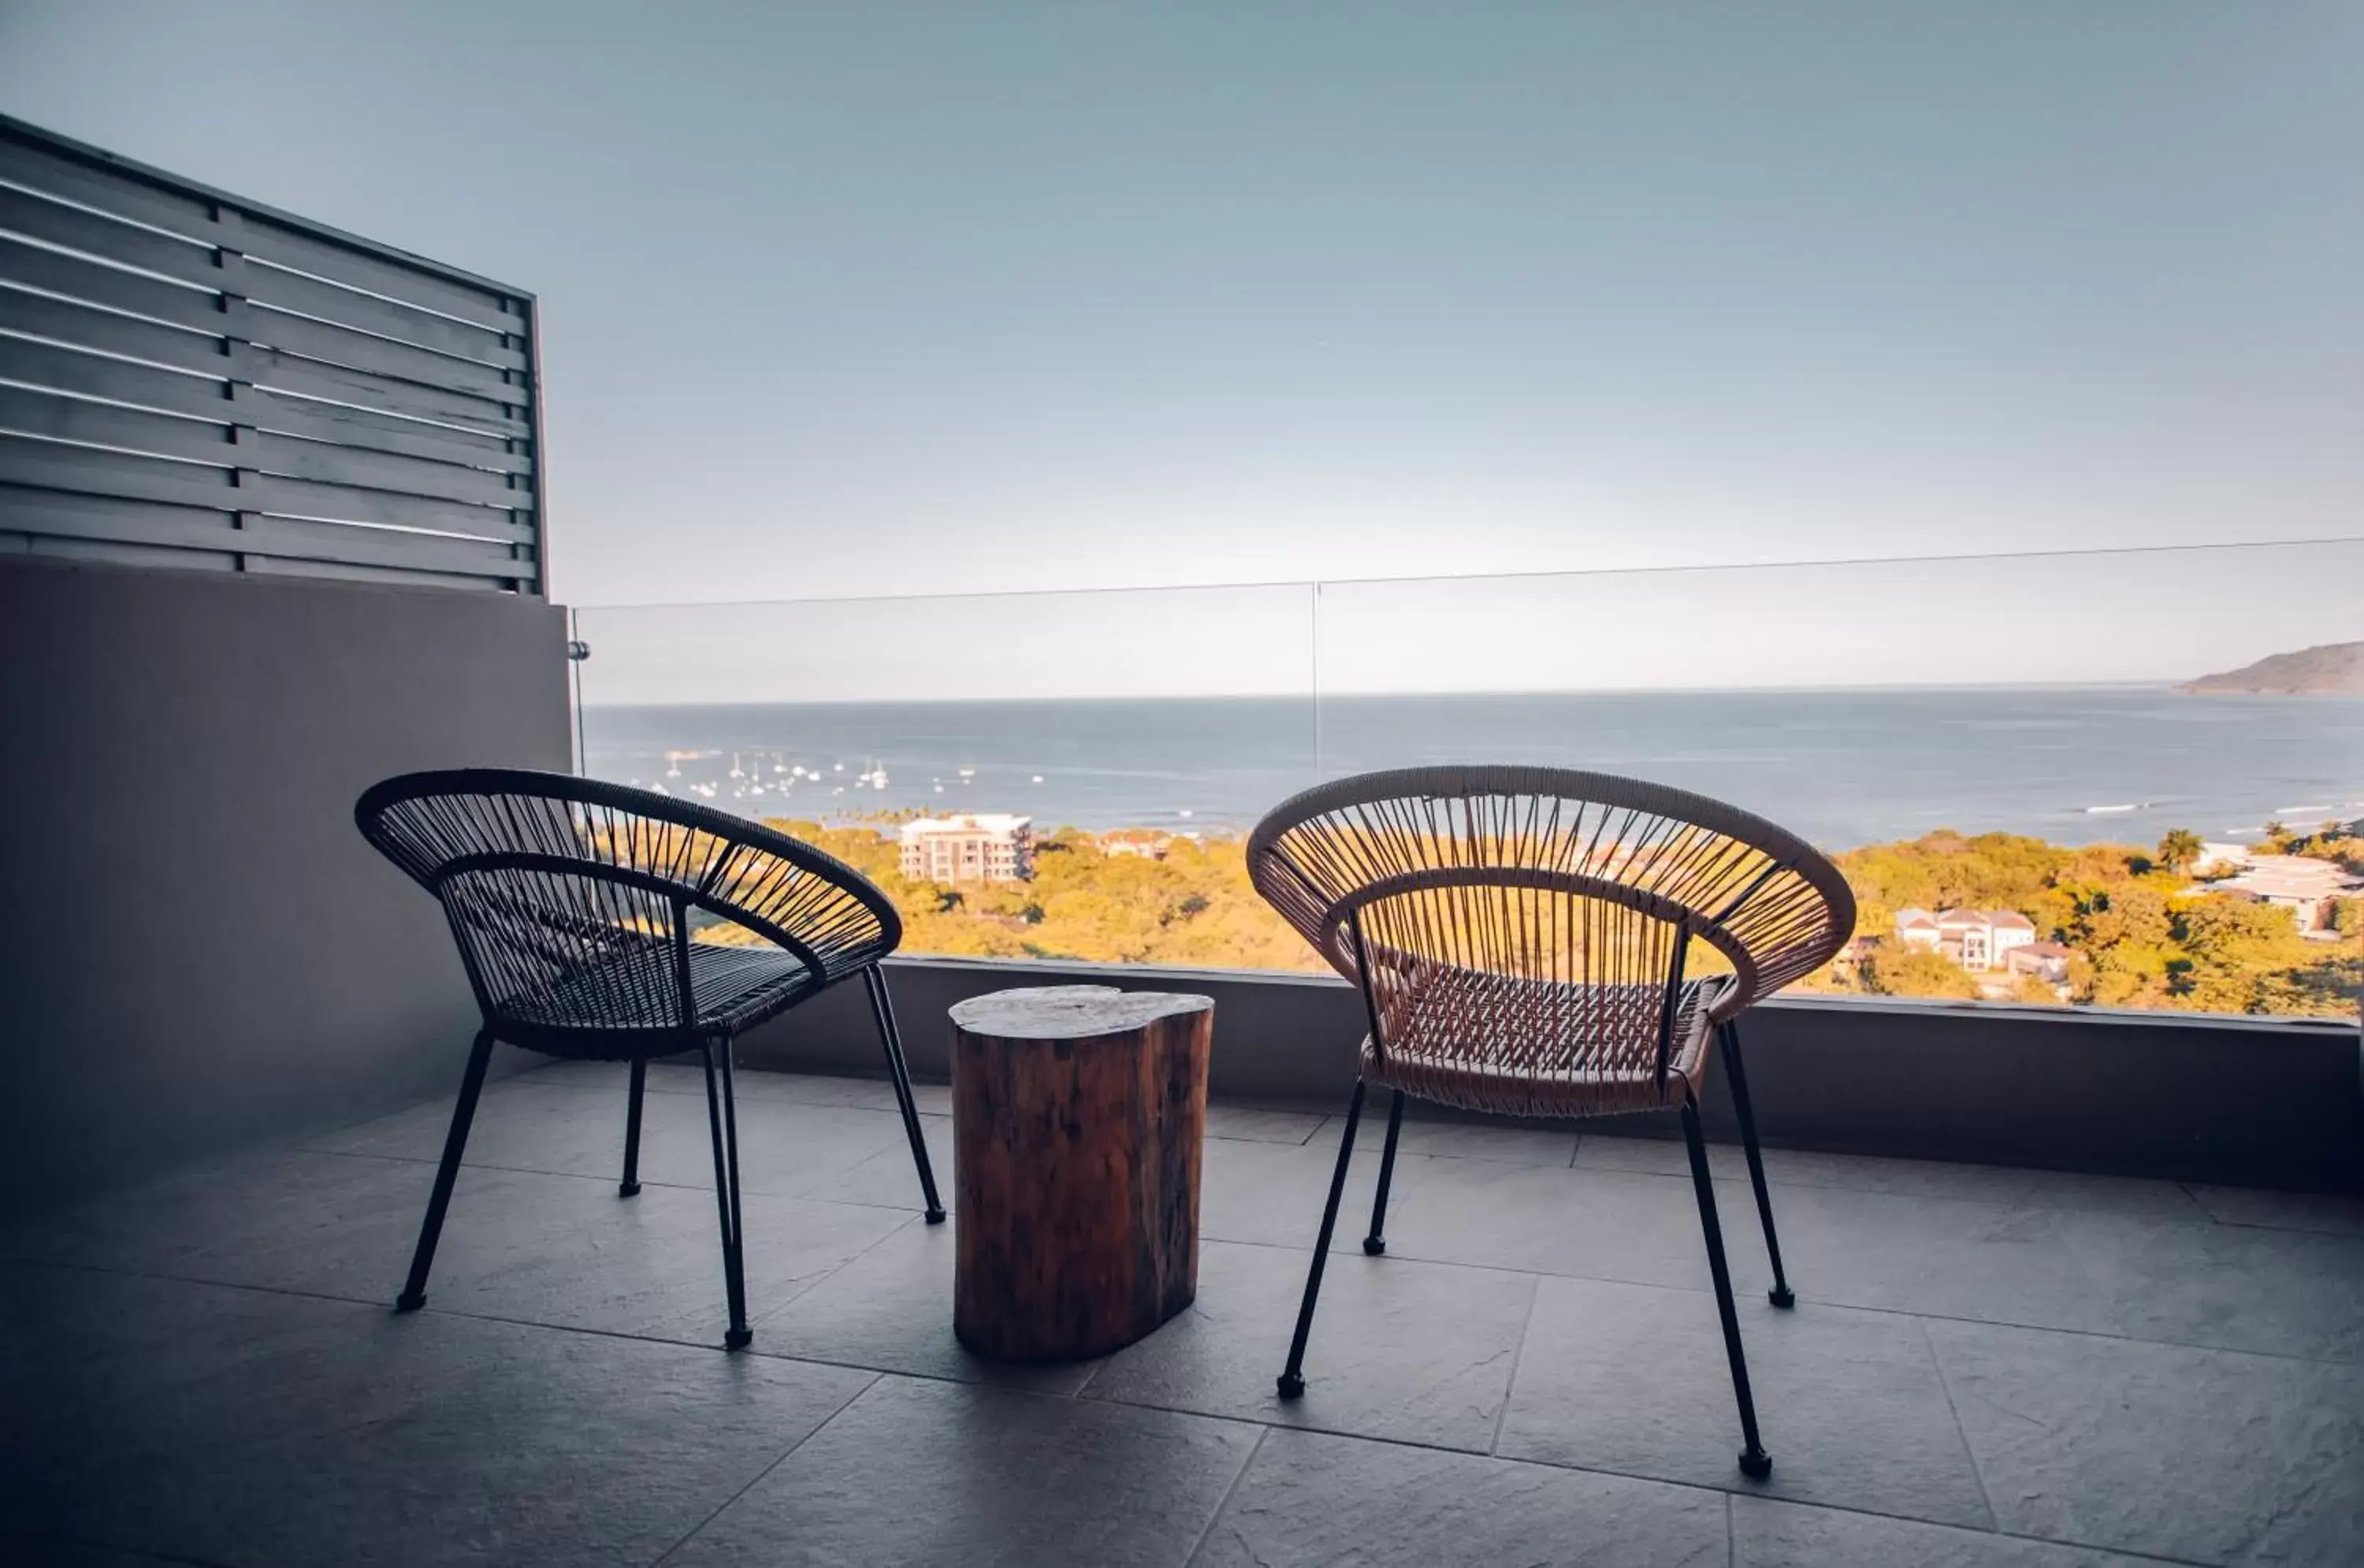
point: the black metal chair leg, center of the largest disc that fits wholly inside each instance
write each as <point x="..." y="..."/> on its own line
<point x="1755" y="1462"/>
<point x="456" y="1144"/>
<point x="881" y="1008"/>
<point x="1376" y="1242"/>
<point x="1292" y="1379"/>
<point x="630" y="1185"/>
<point x="1728" y="1037"/>
<point x="722" y="1122"/>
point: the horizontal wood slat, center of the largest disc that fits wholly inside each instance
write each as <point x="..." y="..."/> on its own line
<point x="28" y="412"/>
<point x="266" y="284"/>
<point x="385" y="432"/>
<point x="59" y="274"/>
<point x="380" y="356"/>
<point x="381" y="471"/>
<point x="289" y="566"/>
<point x="184" y="375"/>
<point x="38" y="512"/>
<point x="41" y="168"/>
<point x="70" y="370"/>
<point x="57" y="548"/>
<point x="345" y="503"/>
<point x="119" y="242"/>
<point x="316" y="378"/>
<point x="87" y="471"/>
<point x="338" y="263"/>
<point x="109" y="333"/>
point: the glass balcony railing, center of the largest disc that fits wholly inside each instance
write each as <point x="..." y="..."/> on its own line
<point x="2123" y="779"/>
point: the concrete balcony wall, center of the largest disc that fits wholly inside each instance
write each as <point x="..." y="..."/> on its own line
<point x="199" y="950"/>
<point x="2263" y="1103"/>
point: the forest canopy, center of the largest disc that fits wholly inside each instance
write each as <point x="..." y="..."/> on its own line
<point x="2142" y="928"/>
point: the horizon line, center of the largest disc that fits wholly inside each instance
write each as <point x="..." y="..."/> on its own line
<point x="2161" y="684"/>
<point x="1314" y="585"/>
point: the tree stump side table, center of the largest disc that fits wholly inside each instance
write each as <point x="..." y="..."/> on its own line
<point x="1079" y="1115"/>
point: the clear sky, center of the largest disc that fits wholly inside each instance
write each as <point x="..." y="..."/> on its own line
<point x="885" y="298"/>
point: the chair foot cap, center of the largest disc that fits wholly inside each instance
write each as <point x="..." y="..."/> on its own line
<point x="628" y="1189"/>
<point x="935" y="1217"/>
<point x="1291" y="1386"/>
<point x="1757" y="1464"/>
<point x="1375" y="1245"/>
<point x="410" y="1301"/>
<point x="1782" y="1295"/>
<point x="738" y="1338"/>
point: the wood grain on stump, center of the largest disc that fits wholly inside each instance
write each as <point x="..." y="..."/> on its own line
<point x="1079" y="1113"/>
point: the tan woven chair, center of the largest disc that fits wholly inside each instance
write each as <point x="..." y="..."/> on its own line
<point x="1544" y="942"/>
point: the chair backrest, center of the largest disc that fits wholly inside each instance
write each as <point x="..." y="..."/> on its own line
<point x="551" y="879"/>
<point x="1550" y="875"/>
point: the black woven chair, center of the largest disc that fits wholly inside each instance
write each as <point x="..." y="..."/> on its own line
<point x="1543" y="943"/>
<point x="577" y="907"/>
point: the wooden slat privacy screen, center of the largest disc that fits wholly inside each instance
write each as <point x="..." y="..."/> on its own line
<point x="187" y="379"/>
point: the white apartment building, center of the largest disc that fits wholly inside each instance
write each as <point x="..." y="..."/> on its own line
<point x="2308" y="888"/>
<point x="1977" y="939"/>
<point x="990" y="846"/>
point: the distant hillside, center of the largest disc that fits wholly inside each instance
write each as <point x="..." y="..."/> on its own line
<point x="2333" y="669"/>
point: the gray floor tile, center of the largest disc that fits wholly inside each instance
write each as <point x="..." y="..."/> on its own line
<point x="1272" y="1193"/>
<point x="38" y="1552"/>
<point x="558" y="1250"/>
<point x="536" y="1121"/>
<point x="1647" y="1156"/>
<point x="266" y="1220"/>
<point x="750" y="1083"/>
<point x="420" y="1440"/>
<point x="889" y="1179"/>
<point x="791" y="1149"/>
<point x="148" y="1415"/>
<point x="104" y="1371"/>
<point x="2329" y="1212"/>
<point x="2006" y="1186"/>
<point x="1480" y="1140"/>
<point x="892" y="1308"/>
<point x="1590" y="1223"/>
<point x="2238" y="1287"/>
<point x="1766" y="1534"/>
<point x="1940" y="1256"/>
<point x="920" y="1472"/>
<point x="785" y="1148"/>
<point x="1308" y="1498"/>
<point x="1414" y="1351"/>
<point x="2212" y="1455"/>
<point x="1253" y="1125"/>
<point x="2002" y="1185"/>
<point x="1635" y="1380"/>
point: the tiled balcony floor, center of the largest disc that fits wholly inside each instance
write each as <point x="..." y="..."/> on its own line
<point x="1985" y="1366"/>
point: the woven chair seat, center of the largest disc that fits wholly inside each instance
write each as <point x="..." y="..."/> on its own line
<point x="733" y="988"/>
<point x="1511" y="1046"/>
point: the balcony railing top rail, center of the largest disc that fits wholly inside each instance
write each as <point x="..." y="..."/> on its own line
<point x="188" y="378"/>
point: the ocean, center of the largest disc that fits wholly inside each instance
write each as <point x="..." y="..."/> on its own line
<point x="1843" y="768"/>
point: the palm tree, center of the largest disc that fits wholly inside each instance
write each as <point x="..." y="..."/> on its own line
<point x="2179" y="848"/>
